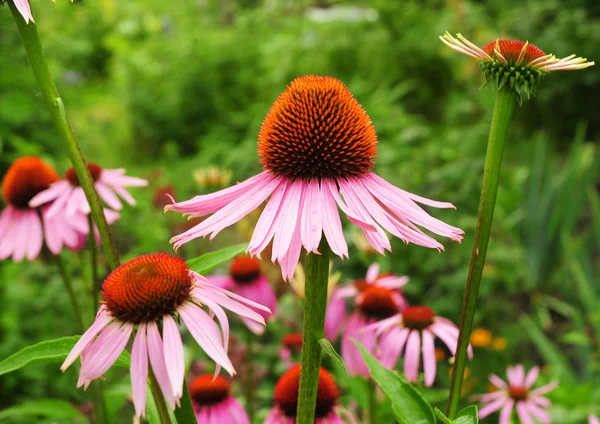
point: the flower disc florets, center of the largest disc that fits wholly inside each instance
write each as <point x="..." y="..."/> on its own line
<point x="147" y="288"/>
<point x="293" y="341"/>
<point x="378" y="302"/>
<point x="95" y="170"/>
<point x="286" y="393"/>
<point x="518" y="393"/>
<point x="26" y="177"/>
<point x="244" y="269"/>
<point x="418" y="317"/>
<point x="208" y="390"/>
<point x="317" y="129"/>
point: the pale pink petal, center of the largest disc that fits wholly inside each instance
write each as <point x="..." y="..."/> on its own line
<point x="115" y="177"/>
<point x="312" y="213"/>
<point x="157" y="361"/>
<point x="76" y="203"/>
<point x="290" y="205"/>
<point x="372" y="273"/>
<point x="506" y="412"/>
<point x="497" y="382"/>
<point x="449" y="339"/>
<point x="545" y="389"/>
<point x="173" y="352"/>
<point x="538" y="413"/>
<point x="492" y="407"/>
<point x="391" y="345"/>
<point x="268" y="221"/>
<point x="593" y="420"/>
<point x="411" y="356"/>
<point x="259" y="290"/>
<point x="532" y="375"/>
<point x="24" y="9"/>
<point x="106" y="349"/>
<point x="24" y="236"/>
<point x="5" y="219"/>
<point x="233" y="410"/>
<point x="222" y="317"/>
<point x="540" y="400"/>
<point x="331" y="186"/>
<point x="201" y="282"/>
<point x="490" y="397"/>
<point x="226" y="302"/>
<point x="59" y="205"/>
<point x="332" y="225"/>
<point x="12" y="235"/>
<point x="108" y="196"/>
<point x="51" y="193"/>
<point x="102" y="319"/>
<point x="523" y="413"/>
<point x="289" y="262"/>
<point x="139" y="371"/>
<point x="223" y="281"/>
<point x="36" y="238"/>
<point x="125" y="195"/>
<point x="335" y="315"/>
<point x="429" y="362"/>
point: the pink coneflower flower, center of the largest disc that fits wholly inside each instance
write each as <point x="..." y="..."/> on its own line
<point x="514" y="62"/>
<point x="416" y="327"/>
<point x="213" y="402"/>
<point x="291" y="346"/>
<point x="246" y="279"/>
<point x="22" y="231"/>
<point x="286" y="400"/>
<point x="68" y="194"/>
<point x="592" y="419"/>
<point x="317" y="146"/>
<point x="518" y="394"/>
<point x="145" y="292"/>
<point x="336" y="314"/>
<point x="376" y="298"/>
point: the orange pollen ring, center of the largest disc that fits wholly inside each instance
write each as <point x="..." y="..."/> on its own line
<point x="244" y="269"/>
<point x="317" y="129"/>
<point x="293" y="341"/>
<point x="95" y="170"/>
<point x="286" y="393"/>
<point x="511" y="50"/>
<point x="378" y="302"/>
<point x="26" y="177"/>
<point x="418" y="317"/>
<point x="518" y="393"/>
<point x="204" y="391"/>
<point x="147" y="288"/>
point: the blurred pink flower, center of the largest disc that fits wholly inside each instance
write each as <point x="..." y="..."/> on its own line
<point x="416" y="327"/>
<point x="68" y="196"/>
<point x="247" y="280"/>
<point x="592" y="419"/>
<point x="376" y="298"/>
<point x="147" y="291"/>
<point x="517" y="394"/>
<point x="291" y="345"/>
<point x="335" y="316"/>
<point x="317" y="145"/>
<point x="213" y="403"/>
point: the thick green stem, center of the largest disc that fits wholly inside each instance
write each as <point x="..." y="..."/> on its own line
<point x="99" y="404"/>
<point x="249" y="383"/>
<point x="159" y="400"/>
<point x="315" y="304"/>
<point x="70" y="291"/>
<point x="185" y="412"/>
<point x="503" y="110"/>
<point x="372" y="402"/>
<point x="39" y="65"/>
<point x="94" y="284"/>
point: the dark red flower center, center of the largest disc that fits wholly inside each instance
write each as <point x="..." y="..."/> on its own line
<point x="378" y="302"/>
<point x="317" y="129"/>
<point x="95" y="170"/>
<point x="26" y="177"/>
<point x="206" y="391"/>
<point x="293" y="341"/>
<point x="147" y="287"/>
<point x="417" y="317"/>
<point x="511" y="50"/>
<point x="518" y="393"/>
<point x="286" y="393"/>
<point x="244" y="269"/>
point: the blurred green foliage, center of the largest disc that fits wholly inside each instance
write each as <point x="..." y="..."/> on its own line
<point x="164" y="88"/>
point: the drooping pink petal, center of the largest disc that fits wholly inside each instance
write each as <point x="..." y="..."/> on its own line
<point x="545" y="389"/>
<point x="411" y="356"/>
<point x="226" y="302"/>
<point x="532" y="375"/>
<point x="372" y="273"/>
<point x="506" y="412"/>
<point x="203" y="283"/>
<point x="540" y="400"/>
<point x="290" y="205"/>
<point x="332" y="225"/>
<point x="391" y="345"/>
<point x="497" y="381"/>
<point x="268" y="221"/>
<point x="108" y="196"/>
<point x="523" y="413"/>
<point x="331" y="186"/>
<point x="450" y="340"/>
<point x="173" y="352"/>
<point x="7" y="243"/>
<point x="222" y="317"/>
<point x="492" y="407"/>
<point x="312" y="217"/>
<point x="289" y="262"/>
<point x="24" y="9"/>
<point x="5" y="219"/>
<point x="429" y="362"/>
<point x="125" y="195"/>
<point x="36" y="237"/>
<point x="139" y="371"/>
<point x="51" y="193"/>
<point x="24" y="239"/>
<point x="115" y="177"/>
<point x="106" y="349"/>
<point x="102" y="319"/>
<point x="59" y="205"/>
<point x="157" y="361"/>
<point x="538" y="413"/>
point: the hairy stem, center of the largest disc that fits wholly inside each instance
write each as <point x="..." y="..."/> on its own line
<point x="503" y="110"/>
<point x="315" y="304"/>
<point x="159" y="400"/>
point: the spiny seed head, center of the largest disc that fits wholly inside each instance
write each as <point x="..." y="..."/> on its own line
<point x="26" y="177"/>
<point x="518" y="393"/>
<point x="147" y="287"/>
<point x="418" y="317"/>
<point x="207" y="390"/>
<point x="286" y="393"/>
<point x="95" y="170"/>
<point x="244" y="269"/>
<point x="378" y="302"/>
<point x="317" y="129"/>
<point x="511" y="50"/>
<point x="293" y="341"/>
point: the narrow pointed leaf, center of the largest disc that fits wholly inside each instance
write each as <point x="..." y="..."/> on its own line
<point x="205" y="263"/>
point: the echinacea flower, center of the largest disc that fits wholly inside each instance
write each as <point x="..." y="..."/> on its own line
<point x="377" y="298"/>
<point x="327" y="411"/>
<point x="146" y="294"/>
<point x="68" y="194"/>
<point x="247" y="280"/>
<point x="213" y="403"/>
<point x="592" y="419"/>
<point x="22" y="231"/>
<point x="414" y="330"/>
<point x="517" y="394"/>
<point x="516" y="63"/>
<point x="291" y="345"/>
<point x="317" y="146"/>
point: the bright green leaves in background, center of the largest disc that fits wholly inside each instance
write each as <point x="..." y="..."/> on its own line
<point x="205" y="263"/>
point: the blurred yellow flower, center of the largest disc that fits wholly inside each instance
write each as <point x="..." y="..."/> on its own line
<point x="212" y="178"/>
<point x="299" y="280"/>
<point x="499" y="343"/>
<point x="480" y="337"/>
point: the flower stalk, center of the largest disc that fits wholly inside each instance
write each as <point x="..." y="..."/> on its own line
<point x="159" y="400"/>
<point x="184" y="414"/>
<point x="503" y="110"/>
<point x="315" y="304"/>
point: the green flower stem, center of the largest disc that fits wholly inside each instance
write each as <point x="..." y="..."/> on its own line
<point x="95" y="285"/>
<point x="503" y="110"/>
<point x="185" y="412"/>
<point x="39" y="65"/>
<point x="315" y="304"/>
<point x="249" y="377"/>
<point x="372" y="402"/>
<point x="159" y="399"/>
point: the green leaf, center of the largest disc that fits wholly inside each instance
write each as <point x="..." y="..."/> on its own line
<point x="409" y="405"/>
<point x="330" y="351"/>
<point x="52" y="408"/>
<point x="49" y="351"/>
<point x="204" y="263"/>
<point x="444" y="419"/>
<point x="466" y="416"/>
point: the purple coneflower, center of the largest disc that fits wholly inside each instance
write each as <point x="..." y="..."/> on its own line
<point x="246" y="279"/>
<point x="317" y="146"/>
<point x="517" y="394"/>
<point x="327" y="411"/>
<point x="213" y="403"/>
<point x="592" y="419"/>
<point x="414" y="330"/>
<point x="141" y="294"/>
<point x="68" y="194"/>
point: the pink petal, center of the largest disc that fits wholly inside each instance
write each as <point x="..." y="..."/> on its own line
<point x="411" y="356"/>
<point x="108" y="196"/>
<point x="545" y="389"/>
<point x="506" y="412"/>
<point x="139" y="371"/>
<point x="538" y="412"/>
<point x="157" y="361"/>
<point x="351" y="214"/>
<point x="125" y="195"/>
<point x="492" y="407"/>
<point x="287" y="224"/>
<point x="6" y="219"/>
<point x="335" y="316"/>
<point x="51" y="193"/>
<point x="24" y="236"/>
<point x="332" y="225"/>
<point x="36" y="238"/>
<point x="523" y="413"/>
<point x="312" y="217"/>
<point x="532" y="375"/>
<point x="106" y="349"/>
<point x="24" y="9"/>
<point x="449" y="339"/>
<point x="102" y="319"/>
<point x="391" y="344"/>
<point x="203" y="294"/>
<point x="173" y="352"/>
<point x="268" y="221"/>
<point x="372" y="273"/>
<point x="289" y="262"/>
<point x="429" y="363"/>
<point x="58" y="206"/>
<point x="497" y="381"/>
